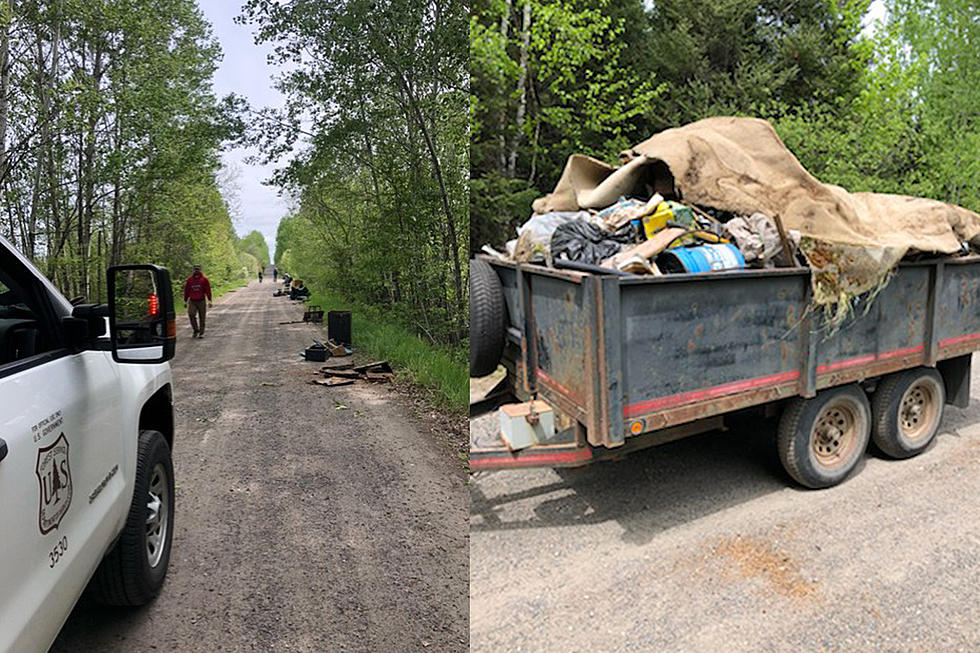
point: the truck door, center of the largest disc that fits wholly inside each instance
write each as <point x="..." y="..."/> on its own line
<point x="61" y="498"/>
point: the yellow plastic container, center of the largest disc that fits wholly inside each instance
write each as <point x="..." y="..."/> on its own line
<point x="673" y="211"/>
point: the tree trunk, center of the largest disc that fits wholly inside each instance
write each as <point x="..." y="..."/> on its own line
<point x="86" y="214"/>
<point x="4" y="93"/>
<point x="522" y="90"/>
<point x="443" y="194"/>
<point x="502" y="114"/>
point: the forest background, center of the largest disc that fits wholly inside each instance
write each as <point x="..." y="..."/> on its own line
<point x="890" y="106"/>
<point x="110" y="140"/>
<point x="111" y="137"/>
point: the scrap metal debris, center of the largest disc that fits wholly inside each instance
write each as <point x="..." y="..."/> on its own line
<point x="319" y="351"/>
<point x="313" y="314"/>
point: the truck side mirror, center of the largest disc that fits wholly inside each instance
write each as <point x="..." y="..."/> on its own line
<point x="142" y="321"/>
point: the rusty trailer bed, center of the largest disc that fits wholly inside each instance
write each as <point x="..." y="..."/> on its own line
<point x="635" y="361"/>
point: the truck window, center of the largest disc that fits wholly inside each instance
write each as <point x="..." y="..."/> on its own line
<point x="23" y="333"/>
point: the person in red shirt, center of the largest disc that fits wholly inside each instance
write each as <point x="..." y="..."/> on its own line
<point x="197" y="288"/>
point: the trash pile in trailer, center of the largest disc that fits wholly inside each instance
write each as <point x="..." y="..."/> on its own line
<point x="725" y="193"/>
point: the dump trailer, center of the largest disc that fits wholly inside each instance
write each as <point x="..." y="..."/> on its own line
<point x="630" y="362"/>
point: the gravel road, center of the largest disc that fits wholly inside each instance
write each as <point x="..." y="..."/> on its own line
<point x="705" y="545"/>
<point x="308" y="518"/>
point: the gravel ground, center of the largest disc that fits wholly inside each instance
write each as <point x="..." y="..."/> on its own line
<point x="308" y="518"/>
<point x="706" y="545"/>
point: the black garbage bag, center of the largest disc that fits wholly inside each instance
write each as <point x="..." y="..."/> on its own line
<point x="579" y="240"/>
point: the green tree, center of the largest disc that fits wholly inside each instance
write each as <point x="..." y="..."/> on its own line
<point x="254" y="244"/>
<point x="109" y="137"/>
<point x="377" y="104"/>
<point x="602" y="74"/>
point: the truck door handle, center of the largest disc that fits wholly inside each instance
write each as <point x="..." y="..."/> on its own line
<point x="3" y="448"/>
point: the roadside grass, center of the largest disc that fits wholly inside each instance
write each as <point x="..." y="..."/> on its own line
<point x="439" y="369"/>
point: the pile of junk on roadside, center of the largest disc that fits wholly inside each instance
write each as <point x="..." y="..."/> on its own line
<point x="723" y="194"/>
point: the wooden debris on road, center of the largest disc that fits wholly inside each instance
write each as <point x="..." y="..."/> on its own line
<point x="377" y="366"/>
<point x="333" y="383"/>
<point x="344" y="373"/>
<point x="337" y="365"/>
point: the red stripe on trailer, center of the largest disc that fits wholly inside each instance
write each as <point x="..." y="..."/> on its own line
<point x="517" y="459"/>
<point x="771" y="380"/>
<point x="638" y="408"/>
<point x="959" y="339"/>
<point x="558" y="386"/>
<point x="850" y="362"/>
<point x="902" y="352"/>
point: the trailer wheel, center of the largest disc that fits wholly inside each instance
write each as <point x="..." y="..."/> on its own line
<point x="821" y="440"/>
<point x="907" y="409"/>
<point x="488" y="315"/>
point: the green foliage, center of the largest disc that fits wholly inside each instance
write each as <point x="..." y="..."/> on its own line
<point x="109" y="139"/>
<point x="380" y="178"/>
<point x="914" y="127"/>
<point x="254" y="243"/>
<point x="503" y="205"/>
<point x="600" y="75"/>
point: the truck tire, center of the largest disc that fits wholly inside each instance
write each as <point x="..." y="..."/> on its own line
<point x="488" y="318"/>
<point x="906" y="410"/>
<point x="821" y="440"/>
<point x="133" y="572"/>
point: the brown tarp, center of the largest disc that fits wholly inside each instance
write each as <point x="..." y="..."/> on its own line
<point x="852" y="240"/>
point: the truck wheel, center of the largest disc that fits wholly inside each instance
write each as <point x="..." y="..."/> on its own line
<point x="820" y="440"/>
<point x="907" y="408"/>
<point x="133" y="572"/>
<point x="488" y="315"/>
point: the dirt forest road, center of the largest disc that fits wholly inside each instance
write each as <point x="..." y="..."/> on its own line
<point x="705" y="545"/>
<point x="308" y="518"/>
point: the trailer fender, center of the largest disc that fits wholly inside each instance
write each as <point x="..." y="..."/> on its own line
<point x="956" y="378"/>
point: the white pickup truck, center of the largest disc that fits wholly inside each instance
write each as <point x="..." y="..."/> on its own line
<point x="86" y="430"/>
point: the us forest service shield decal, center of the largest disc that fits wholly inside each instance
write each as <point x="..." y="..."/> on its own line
<point x="54" y="478"/>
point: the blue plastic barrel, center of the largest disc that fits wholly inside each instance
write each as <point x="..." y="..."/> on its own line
<point x="704" y="258"/>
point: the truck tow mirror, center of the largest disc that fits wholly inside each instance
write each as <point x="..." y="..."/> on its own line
<point x="142" y="321"/>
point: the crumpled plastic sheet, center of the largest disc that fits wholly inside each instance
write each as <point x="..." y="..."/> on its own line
<point x="534" y="236"/>
<point x="582" y="241"/>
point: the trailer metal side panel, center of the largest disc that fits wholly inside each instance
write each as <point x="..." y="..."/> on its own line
<point x="694" y="341"/>
<point x="958" y="305"/>
<point x="626" y="356"/>
<point x="889" y="335"/>
<point x="562" y="347"/>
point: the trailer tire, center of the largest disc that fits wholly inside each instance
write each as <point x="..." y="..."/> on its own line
<point x="488" y="318"/>
<point x="907" y="409"/>
<point x="821" y="440"/>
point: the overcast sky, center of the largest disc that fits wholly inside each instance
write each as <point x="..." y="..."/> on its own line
<point x="244" y="71"/>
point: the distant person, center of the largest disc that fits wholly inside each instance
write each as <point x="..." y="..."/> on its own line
<point x="275" y="274"/>
<point x="260" y="276"/>
<point x="197" y="289"/>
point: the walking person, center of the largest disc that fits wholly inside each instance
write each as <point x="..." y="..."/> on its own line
<point x="197" y="289"/>
<point x="275" y="275"/>
<point x="261" y="274"/>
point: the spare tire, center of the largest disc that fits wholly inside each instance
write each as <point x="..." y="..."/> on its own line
<point x="488" y="318"/>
